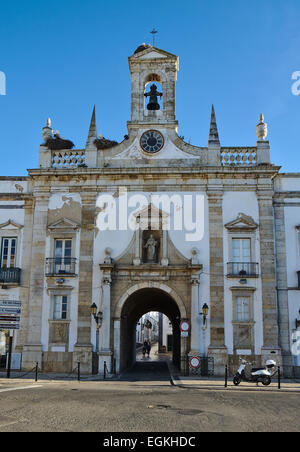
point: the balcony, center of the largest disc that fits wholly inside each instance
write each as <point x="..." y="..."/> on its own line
<point x="242" y="270"/>
<point x="10" y="276"/>
<point x="60" y="266"/>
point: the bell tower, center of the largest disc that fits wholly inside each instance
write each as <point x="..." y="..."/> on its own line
<point x="153" y="75"/>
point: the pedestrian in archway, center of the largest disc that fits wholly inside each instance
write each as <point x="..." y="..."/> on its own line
<point x="148" y="348"/>
<point x="145" y="348"/>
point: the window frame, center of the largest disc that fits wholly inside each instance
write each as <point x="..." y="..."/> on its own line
<point x="60" y="310"/>
<point x="9" y="238"/>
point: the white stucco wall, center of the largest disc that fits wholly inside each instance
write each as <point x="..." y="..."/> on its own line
<point x="233" y="204"/>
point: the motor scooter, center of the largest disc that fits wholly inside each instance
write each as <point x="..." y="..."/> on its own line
<point x="258" y="375"/>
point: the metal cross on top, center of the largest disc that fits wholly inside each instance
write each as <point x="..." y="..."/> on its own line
<point x="153" y="32"/>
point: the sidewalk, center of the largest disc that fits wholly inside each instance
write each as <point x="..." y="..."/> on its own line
<point x="218" y="384"/>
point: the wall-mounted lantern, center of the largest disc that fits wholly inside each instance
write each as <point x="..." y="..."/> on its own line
<point x="204" y="313"/>
<point x="98" y="317"/>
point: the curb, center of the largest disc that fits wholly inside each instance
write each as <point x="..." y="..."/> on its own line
<point x="177" y="383"/>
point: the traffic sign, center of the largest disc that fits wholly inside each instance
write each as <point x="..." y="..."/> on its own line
<point x="195" y="362"/>
<point x="9" y="318"/>
<point x="10" y="311"/>
<point x="185" y="326"/>
<point x="5" y="326"/>
<point x="5" y="311"/>
<point x="10" y="303"/>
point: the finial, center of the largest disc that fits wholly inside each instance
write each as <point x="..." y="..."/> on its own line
<point x="261" y="128"/>
<point x="213" y="130"/>
<point x="47" y="131"/>
<point x="92" y="135"/>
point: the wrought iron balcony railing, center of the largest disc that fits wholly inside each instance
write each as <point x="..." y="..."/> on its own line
<point x="242" y="269"/>
<point x="60" y="266"/>
<point x="10" y="275"/>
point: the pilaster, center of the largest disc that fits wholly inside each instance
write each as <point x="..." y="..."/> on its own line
<point x="83" y="348"/>
<point x="217" y="347"/>
<point x="282" y="284"/>
<point x="268" y="273"/>
<point x="32" y="351"/>
<point x="26" y="268"/>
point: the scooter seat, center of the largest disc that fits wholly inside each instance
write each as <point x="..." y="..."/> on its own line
<point x="259" y="368"/>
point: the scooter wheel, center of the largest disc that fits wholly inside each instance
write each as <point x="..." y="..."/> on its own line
<point x="266" y="381"/>
<point x="236" y="381"/>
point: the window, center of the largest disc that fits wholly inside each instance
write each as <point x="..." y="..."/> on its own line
<point x="8" y="253"/>
<point x="63" y="250"/>
<point x="241" y="250"/>
<point x="243" y="309"/>
<point x="63" y="256"/>
<point x="60" y="310"/>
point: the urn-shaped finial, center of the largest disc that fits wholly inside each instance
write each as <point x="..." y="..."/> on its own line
<point x="261" y="128"/>
<point x="47" y="131"/>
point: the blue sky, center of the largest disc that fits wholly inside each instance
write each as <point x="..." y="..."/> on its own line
<point x="62" y="57"/>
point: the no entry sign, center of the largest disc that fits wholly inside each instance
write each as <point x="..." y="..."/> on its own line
<point x="195" y="362"/>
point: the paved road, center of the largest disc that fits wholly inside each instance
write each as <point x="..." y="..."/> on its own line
<point x="142" y="406"/>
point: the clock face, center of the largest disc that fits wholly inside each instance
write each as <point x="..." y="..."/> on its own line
<point x="152" y="141"/>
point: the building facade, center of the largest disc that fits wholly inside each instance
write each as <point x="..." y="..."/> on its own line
<point x="152" y="224"/>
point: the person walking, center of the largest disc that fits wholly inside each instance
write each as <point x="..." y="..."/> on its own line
<point x="148" y="348"/>
<point x="145" y="348"/>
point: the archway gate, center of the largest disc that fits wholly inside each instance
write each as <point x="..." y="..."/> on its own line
<point x="133" y="290"/>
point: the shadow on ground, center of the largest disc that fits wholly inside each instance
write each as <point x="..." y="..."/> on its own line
<point x="147" y="371"/>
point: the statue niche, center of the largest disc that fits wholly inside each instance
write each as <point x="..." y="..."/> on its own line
<point x="151" y="247"/>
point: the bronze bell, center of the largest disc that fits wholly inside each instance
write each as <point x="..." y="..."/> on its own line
<point x="153" y="102"/>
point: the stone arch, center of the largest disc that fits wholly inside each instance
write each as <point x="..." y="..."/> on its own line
<point x="151" y="285"/>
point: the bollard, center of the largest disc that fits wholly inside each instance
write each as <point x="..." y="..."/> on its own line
<point x="279" y="378"/>
<point x="78" y="372"/>
<point x="226" y="376"/>
<point x="36" y="371"/>
<point x="9" y="357"/>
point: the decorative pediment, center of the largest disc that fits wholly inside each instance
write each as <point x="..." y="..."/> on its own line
<point x="149" y="52"/>
<point x="151" y="214"/>
<point x="243" y="223"/>
<point x="64" y="224"/>
<point x="11" y="225"/>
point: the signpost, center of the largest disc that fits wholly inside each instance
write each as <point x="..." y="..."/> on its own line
<point x="185" y="328"/>
<point x="10" y="311"/>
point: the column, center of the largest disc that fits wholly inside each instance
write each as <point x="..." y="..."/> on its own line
<point x="282" y="286"/>
<point x="217" y="347"/>
<point x="32" y="351"/>
<point x="268" y="275"/>
<point x="105" y="354"/>
<point x="83" y="348"/>
<point x="117" y="344"/>
<point x="195" y="317"/>
<point x="26" y="268"/>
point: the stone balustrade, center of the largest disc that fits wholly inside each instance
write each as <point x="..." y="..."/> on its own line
<point x="67" y="159"/>
<point x="243" y="156"/>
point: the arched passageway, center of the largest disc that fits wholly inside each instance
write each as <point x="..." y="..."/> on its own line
<point x="138" y="304"/>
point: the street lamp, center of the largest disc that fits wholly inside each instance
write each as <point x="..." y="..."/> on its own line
<point x="204" y="313"/>
<point x="98" y="317"/>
